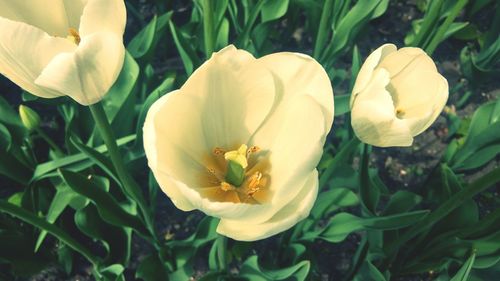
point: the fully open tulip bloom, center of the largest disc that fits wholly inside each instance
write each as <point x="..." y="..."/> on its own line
<point x="397" y="95"/>
<point x="54" y="48"/>
<point x="241" y="139"/>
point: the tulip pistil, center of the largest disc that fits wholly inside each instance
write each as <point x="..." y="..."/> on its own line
<point x="400" y="113"/>
<point x="240" y="174"/>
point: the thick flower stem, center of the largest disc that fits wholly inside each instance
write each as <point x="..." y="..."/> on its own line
<point x="444" y="209"/>
<point x="130" y="187"/>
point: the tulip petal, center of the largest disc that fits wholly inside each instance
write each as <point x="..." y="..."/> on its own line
<point x="55" y="20"/>
<point x="299" y="74"/>
<point x="295" y="149"/>
<point x="237" y="94"/>
<point x="87" y="74"/>
<point x="25" y="51"/>
<point x="103" y="15"/>
<point x="287" y="217"/>
<point x="373" y="117"/>
<point x="366" y="72"/>
<point x="397" y="61"/>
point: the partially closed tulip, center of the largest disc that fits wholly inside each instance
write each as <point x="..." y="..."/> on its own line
<point x="241" y="140"/>
<point x="62" y="48"/>
<point x="397" y="95"/>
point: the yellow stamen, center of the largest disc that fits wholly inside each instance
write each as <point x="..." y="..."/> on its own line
<point x="218" y="151"/>
<point x="74" y="36"/>
<point x="400" y="112"/>
<point x="226" y="186"/>
<point x="253" y="183"/>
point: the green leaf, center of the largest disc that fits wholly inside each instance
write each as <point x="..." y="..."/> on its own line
<point x="75" y="162"/>
<point x="108" y="207"/>
<point x="402" y="201"/>
<point x="151" y="268"/>
<point x="273" y="9"/>
<point x="50" y="228"/>
<point x="116" y="240"/>
<point x="102" y="161"/>
<point x="113" y="272"/>
<point x="343" y="224"/>
<point x="369" y="272"/>
<point x="331" y="200"/>
<point x="186" y="51"/>
<point x="342" y="105"/>
<point x="143" y="41"/>
<point x="253" y="271"/>
<point x="464" y="272"/>
<point x="341" y="158"/>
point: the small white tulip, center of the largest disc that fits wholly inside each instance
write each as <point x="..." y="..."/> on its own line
<point x="54" y="48"/>
<point x="240" y="140"/>
<point x="398" y="94"/>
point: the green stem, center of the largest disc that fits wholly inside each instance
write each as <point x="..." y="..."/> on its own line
<point x="50" y="142"/>
<point x="60" y="234"/>
<point x="208" y="27"/>
<point x="243" y="40"/>
<point x="222" y="252"/>
<point x="323" y="30"/>
<point x="130" y="187"/>
<point x="444" y="209"/>
<point x="444" y="27"/>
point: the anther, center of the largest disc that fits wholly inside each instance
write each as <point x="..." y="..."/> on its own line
<point x="253" y="149"/>
<point x="226" y="186"/>
<point x="253" y="184"/>
<point x="218" y="151"/>
<point x="75" y="36"/>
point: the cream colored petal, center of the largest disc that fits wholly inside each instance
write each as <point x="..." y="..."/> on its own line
<point x="366" y="72"/>
<point x="52" y="20"/>
<point x="299" y="74"/>
<point x="237" y="94"/>
<point x="103" y="15"/>
<point x="373" y="116"/>
<point x="25" y="51"/>
<point x="429" y="112"/>
<point x="87" y="74"/>
<point x="286" y="218"/>
<point x="397" y="61"/>
<point x="416" y="87"/>
<point x="295" y="149"/>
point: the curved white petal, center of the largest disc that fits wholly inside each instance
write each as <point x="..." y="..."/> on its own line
<point x="287" y="217"/>
<point x="103" y="15"/>
<point x="237" y="94"/>
<point x="87" y="74"/>
<point x="373" y="116"/>
<point x="25" y="51"/>
<point x="295" y="150"/>
<point x="55" y="17"/>
<point x="299" y="74"/>
<point x="397" y="61"/>
<point x="366" y="72"/>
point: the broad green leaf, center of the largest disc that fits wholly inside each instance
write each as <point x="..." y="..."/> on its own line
<point x="113" y="272"/>
<point x="332" y="200"/>
<point x="75" y="162"/>
<point x="342" y="104"/>
<point x="253" y="271"/>
<point x="343" y="224"/>
<point x="142" y="43"/>
<point x="464" y="271"/>
<point x="102" y="161"/>
<point x="151" y="268"/>
<point x="60" y="234"/>
<point x="108" y="207"/>
<point x="369" y="272"/>
<point x="116" y="240"/>
<point x="273" y="9"/>
<point x="187" y="53"/>
<point x="402" y="201"/>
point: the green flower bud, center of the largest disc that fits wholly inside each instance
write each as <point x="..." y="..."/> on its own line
<point x="30" y="119"/>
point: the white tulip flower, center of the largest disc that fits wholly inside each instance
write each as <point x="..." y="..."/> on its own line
<point x="240" y="140"/>
<point x="398" y="94"/>
<point x="54" y="48"/>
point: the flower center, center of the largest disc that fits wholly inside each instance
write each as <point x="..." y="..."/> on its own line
<point x="73" y="36"/>
<point x="242" y="177"/>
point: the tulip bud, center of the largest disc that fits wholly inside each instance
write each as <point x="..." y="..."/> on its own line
<point x="30" y="119"/>
<point x="398" y="94"/>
